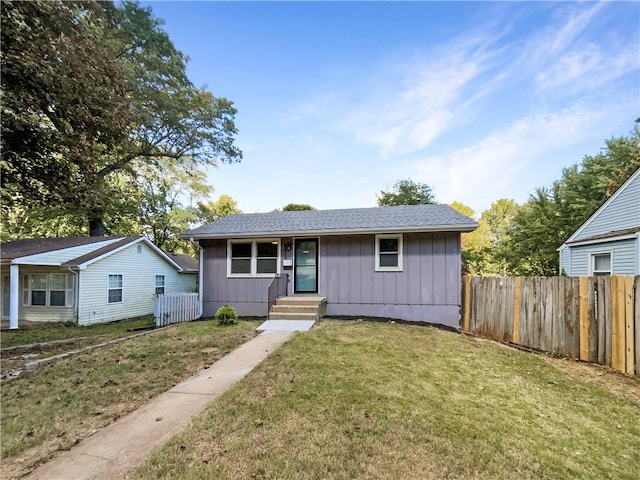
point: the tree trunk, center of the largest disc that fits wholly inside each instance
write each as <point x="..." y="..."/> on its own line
<point x="96" y="228"/>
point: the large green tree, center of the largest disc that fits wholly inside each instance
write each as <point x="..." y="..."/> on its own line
<point x="91" y="89"/>
<point x="406" y="192"/>
<point x="482" y="248"/>
<point x="552" y="214"/>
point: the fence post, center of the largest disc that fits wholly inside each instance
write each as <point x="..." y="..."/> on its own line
<point x="629" y="330"/>
<point x="617" y="324"/>
<point x="466" y="311"/>
<point x="584" y="320"/>
<point x="516" y="312"/>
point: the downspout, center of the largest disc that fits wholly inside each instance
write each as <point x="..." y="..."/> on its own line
<point x="200" y="275"/>
<point x="76" y="295"/>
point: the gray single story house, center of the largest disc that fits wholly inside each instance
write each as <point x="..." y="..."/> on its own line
<point x="398" y="262"/>
<point x="608" y="243"/>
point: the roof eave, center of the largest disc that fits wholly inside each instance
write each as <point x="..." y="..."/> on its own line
<point x="295" y="233"/>
<point x="593" y="241"/>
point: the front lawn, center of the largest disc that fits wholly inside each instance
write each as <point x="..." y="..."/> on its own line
<point x="388" y="401"/>
<point x="45" y="332"/>
<point x="57" y="405"/>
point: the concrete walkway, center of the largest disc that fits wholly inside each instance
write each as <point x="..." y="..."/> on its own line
<point x="117" y="449"/>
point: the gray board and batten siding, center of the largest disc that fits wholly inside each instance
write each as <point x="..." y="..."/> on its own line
<point x="614" y="228"/>
<point x="427" y="289"/>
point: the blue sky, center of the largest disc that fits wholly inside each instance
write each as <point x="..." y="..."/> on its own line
<point x="336" y="100"/>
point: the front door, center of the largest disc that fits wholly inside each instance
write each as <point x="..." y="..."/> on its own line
<point x="306" y="265"/>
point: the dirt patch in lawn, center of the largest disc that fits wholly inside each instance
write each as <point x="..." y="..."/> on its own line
<point x="56" y="406"/>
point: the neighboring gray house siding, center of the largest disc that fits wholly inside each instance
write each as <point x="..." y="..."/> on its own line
<point x="619" y="214"/>
<point x="565" y="261"/>
<point x="427" y="289"/>
<point x="623" y="257"/>
<point x="623" y="212"/>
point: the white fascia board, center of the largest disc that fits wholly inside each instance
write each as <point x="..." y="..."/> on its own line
<point x="607" y="202"/>
<point x="36" y="259"/>
<point x="84" y="265"/>
<point x="311" y="233"/>
<point x="603" y="240"/>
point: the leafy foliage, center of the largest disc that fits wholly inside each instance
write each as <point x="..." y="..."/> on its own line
<point x="482" y="248"/>
<point x="226" y="315"/>
<point x="63" y="145"/>
<point x="296" y="207"/>
<point x="215" y="210"/>
<point x="407" y="192"/>
<point x="552" y="214"/>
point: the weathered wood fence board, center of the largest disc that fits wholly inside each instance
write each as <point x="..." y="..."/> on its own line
<point x="595" y="319"/>
<point x="176" y="308"/>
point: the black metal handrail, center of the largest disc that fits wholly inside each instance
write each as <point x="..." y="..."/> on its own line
<point x="278" y="288"/>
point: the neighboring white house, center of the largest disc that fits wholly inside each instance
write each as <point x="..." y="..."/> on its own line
<point x="608" y="243"/>
<point x="88" y="280"/>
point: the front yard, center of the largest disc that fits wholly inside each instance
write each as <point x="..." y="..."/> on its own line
<point x="57" y="405"/>
<point x="385" y="401"/>
<point x="346" y="400"/>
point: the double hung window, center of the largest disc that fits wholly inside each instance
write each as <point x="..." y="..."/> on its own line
<point x="389" y="253"/>
<point x="159" y="284"/>
<point x="47" y="290"/>
<point x="253" y="258"/>
<point x="114" y="293"/>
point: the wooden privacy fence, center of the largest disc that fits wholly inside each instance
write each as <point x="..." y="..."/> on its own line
<point x="595" y="319"/>
<point x="175" y="308"/>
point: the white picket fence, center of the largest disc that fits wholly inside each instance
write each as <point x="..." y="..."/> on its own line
<point x="175" y="308"/>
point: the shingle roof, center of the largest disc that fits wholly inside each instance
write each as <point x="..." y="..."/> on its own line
<point x="605" y="236"/>
<point x="352" y="220"/>
<point x="34" y="246"/>
<point x="186" y="262"/>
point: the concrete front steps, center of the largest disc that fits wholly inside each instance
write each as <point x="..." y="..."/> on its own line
<point x="298" y="308"/>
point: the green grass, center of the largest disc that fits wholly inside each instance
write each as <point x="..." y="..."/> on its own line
<point x="55" y="406"/>
<point x="380" y="401"/>
<point x="44" y="332"/>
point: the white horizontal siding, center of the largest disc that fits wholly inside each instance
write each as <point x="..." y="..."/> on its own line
<point x="625" y="261"/>
<point x="623" y="212"/>
<point x="138" y="272"/>
<point x="61" y="256"/>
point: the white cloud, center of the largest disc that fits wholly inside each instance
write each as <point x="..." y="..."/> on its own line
<point x="580" y="51"/>
<point x="497" y="165"/>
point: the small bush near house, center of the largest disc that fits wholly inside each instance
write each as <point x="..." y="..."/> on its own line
<point x="226" y="315"/>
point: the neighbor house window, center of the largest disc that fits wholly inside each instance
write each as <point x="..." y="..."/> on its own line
<point x="47" y="290"/>
<point x="57" y="289"/>
<point x="601" y="264"/>
<point x="115" y="289"/>
<point x="255" y="258"/>
<point x="159" y="284"/>
<point x="388" y="253"/>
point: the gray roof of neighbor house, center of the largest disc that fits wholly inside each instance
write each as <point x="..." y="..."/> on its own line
<point x="34" y="246"/>
<point x="186" y="262"/>
<point x="404" y="218"/>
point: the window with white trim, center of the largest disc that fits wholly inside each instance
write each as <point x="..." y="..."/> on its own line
<point x="114" y="293"/>
<point x="253" y="258"/>
<point x="389" y="253"/>
<point x="159" y="284"/>
<point x="47" y="290"/>
<point x="601" y="264"/>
